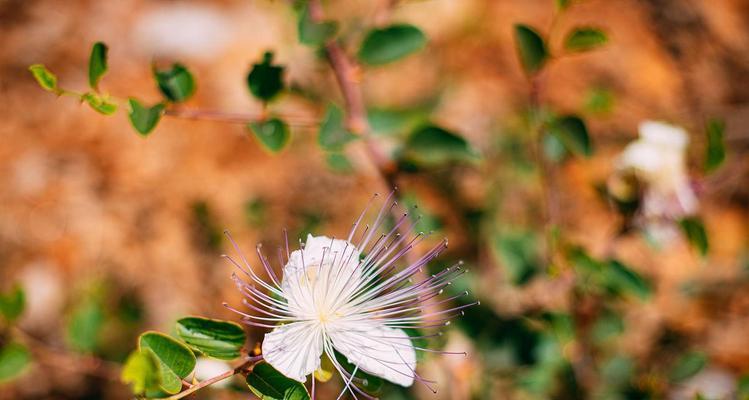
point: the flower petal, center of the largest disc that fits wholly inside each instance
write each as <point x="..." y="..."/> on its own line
<point x="377" y="349"/>
<point x="320" y="275"/>
<point x="294" y="349"/>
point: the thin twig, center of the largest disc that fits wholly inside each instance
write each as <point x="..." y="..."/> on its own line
<point x="234" y="118"/>
<point x="226" y="375"/>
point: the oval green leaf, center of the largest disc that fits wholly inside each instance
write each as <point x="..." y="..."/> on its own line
<point x="14" y="360"/>
<point x="716" y="151"/>
<point x="531" y="48"/>
<point x="143" y="118"/>
<point x="313" y="33"/>
<point x="265" y="80"/>
<point x="174" y="359"/>
<point x="573" y="133"/>
<point x="140" y="371"/>
<point x="432" y="145"/>
<point x="623" y="280"/>
<point x="272" y="134"/>
<point x="84" y="325"/>
<point x="585" y="38"/>
<point x="99" y="103"/>
<point x="338" y="162"/>
<point x="12" y="303"/>
<point x="333" y="133"/>
<point x="268" y="384"/>
<point x="46" y="79"/>
<point x="97" y="64"/>
<point x="694" y="230"/>
<point x="382" y="46"/>
<point x="176" y="84"/>
<point x="218" y="339"/>
<point x="687" y="366"/>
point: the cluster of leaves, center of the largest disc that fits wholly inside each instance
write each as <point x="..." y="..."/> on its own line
<point x="161" y="363"/>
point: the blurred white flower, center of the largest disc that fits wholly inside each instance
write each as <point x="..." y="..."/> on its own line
<point x="207" y="368"/>
<point x="348" y="296"/>
<point x="658" y="160"/>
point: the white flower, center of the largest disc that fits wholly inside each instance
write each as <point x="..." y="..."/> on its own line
<point x="347" y="296"/>
<point x="658" y="159"/>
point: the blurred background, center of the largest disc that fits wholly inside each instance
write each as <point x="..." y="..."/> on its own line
<point x="585" y="292"/>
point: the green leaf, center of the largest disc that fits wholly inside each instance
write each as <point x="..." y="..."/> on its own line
<point x="176" y="84"/>
<point x="394" y="121"/>
<point x="585" y="38"/>
<point x="716" y="151"/>
<point x="213" y="338"/>
<point x="599" y="101"/>
<point x="84" y="325"/>
<point x="265" y="80"/>
<point x="694" y="230"/>
<point x="573" y="133"/>
<point x="46" y="79"/>
<point x="385" y="45"/>
<point x="143" y="118"/>
<point x="99" y="103"/>
<point x="268" y="384"/>
<point x="562" y="4"/>
<point x="687" y="366"/>
<point x="174" y="359"/>
<point x="12" y="303"/>
<point x="622" y="279"/>
<point x="314" y="33"/>
<point x="339" y="163"/>
<point x="518" y="253"/>
<point x="140" y="371"/>
<point x="272" y="134"/>
<point x="14" y="360"/>
<point x="553" y="147"/>
<point x="531" y="48"/>
<point x="432" y="145"/>
<point x="333" y="133"/>
<point x="97" y="64"/>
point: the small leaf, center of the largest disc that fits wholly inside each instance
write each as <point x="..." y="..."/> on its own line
<point x="265" y="80"/>
<point x="176" y="84"/>
<point x="432" y="145"/>
<point x="273" y="134"/>
<point x="694" y="230"/>
<point x="144" y="119"/>
<point x="12" y="303"/>
<point x="84" y="325"/>
<point x="99" y="103"/>
<point x="599" y="101"/>
<point x="585" y="38"/>
<point x="314" y="33"/>
<point x="531" y="48"/>
<point x="622" y="279"/>
<point x="339" y="163"/>
<point x="97" y="64"/>
<point x="394" y="121"/>
<point x="553" y="147"/>
<point x="385" y="45"/>
<point x="14" y="360"/>
<point x="213" y="338"/>
<point x="716" y="151"/>
<point x="174" y="359"/>
<point x="333" y="134"/>
<point x="687" y="366"/>
<point x="140" y="371"/>
<point x="46" y="79"/>
<point x="573" y="133"/>
<point x="268" y="384"/>
<point x="562" y="4"/>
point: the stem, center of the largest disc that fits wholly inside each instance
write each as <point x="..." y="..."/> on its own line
<point x="235" y="118"/>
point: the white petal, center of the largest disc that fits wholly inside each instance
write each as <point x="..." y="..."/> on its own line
<point x="294" y="349"/>
<point x="316" y="277"/>
<point x="664" y="135"/>
<point x="377" y="349"/>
